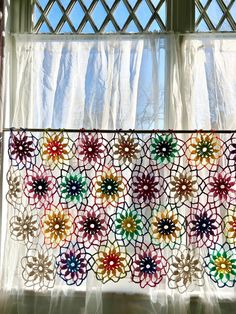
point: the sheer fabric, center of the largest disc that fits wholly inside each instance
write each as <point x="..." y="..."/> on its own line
<point x="113" y="82"/>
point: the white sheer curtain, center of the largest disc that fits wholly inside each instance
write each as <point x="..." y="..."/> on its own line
<point x="113" y="82"/>
<point x="94" y="82"/>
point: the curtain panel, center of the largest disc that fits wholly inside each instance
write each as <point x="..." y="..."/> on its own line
<point x="118" y="82"/>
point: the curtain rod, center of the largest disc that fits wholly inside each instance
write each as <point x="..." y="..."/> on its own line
<point x="116" y="131"/>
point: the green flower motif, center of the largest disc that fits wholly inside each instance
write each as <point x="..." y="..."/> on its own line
<point x="74" y="187"/>
<point x="164" y="148"/>
<point x="221" y="265"/>
<point x="129" y="224"/>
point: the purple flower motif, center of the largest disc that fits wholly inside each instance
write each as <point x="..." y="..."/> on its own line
<point x="92" y="226"/>
<point x="146" y="186"/>
<point x="204" y="226"/>
<point x="22" y="148"/>
<point x="72" y="264"/>
<point x="149" y="266"/>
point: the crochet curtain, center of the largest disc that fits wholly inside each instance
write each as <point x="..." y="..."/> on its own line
<point x="135" y="82"/>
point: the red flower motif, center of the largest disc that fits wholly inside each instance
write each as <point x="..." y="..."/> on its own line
<point x="149" y="266"/>
<point x="39" y="186"/>
<point x="92" y="226"/>
<point x="221" y="186"/>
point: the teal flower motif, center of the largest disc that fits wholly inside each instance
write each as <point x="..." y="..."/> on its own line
<point x="128" y="224"/>
<point x="164" y="148"/>
<point x="74" y="187"/>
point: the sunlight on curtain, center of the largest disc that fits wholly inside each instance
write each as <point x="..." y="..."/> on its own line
<point x="112" y="82"/>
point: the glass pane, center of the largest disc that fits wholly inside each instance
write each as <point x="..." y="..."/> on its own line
<point x="84" y="16"/>
<point x="215" y="15"/>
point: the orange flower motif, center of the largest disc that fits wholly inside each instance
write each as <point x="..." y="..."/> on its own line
<point x="112" y="263"/>
<point x="109" y="187"/>
<point x="230" y="226"/>
<point x="55" y="148"/>
<point x="57" y="226"/>
<point x="204" y="150"/>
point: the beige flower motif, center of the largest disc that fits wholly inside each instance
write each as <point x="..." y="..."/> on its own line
<point x="39" y="268"/>
<point x="24" y="226"/>
<point x="184" y="187"/>
<point x="186" y="270"/>
<point x="57" y="226"/>
<point x="14" y="193"/>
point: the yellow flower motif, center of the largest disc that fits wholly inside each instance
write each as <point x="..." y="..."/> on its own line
<point x="57" y="226"/>
<point x="204" y="149"/>
<point x="165" y="226"/>
<point x="223" y="265"/>
<point x="109" y="186"/>
<point x="129" y="224"/>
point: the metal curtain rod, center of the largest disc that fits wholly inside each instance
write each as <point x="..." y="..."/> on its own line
<point x="116" y="131"/>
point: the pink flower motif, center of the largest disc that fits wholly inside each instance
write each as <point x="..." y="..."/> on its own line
<point x="90" y="148"/>
<point x="39" y="186"/>
<point x="221" y="186"/>
<point x="149" y="266"/>
<point x="92" y="226"/>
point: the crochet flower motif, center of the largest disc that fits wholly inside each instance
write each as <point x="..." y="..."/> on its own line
<point x="128" y="223"/>
<point x="72" y="264"/>
<point x="203" y="226"/>
<point x="109" y="187"/>
<point x="126" y="149"/>
<point x="147" y="186"/>
<point x="220" y="265"/>
<point x="55" y="149"/>
<point x="14" y="193"/>
<point x="186" y="270"/>
<point x="92" y="226"/>
<point x="22" y="149"/>
<point x="164" y="148"/>
<point x="204" y="150"/>
<point x="184" y="187"/>
<point x="167" y="226"/>
<point x="24" y="226"/>
<point x="57" y="226"/>
<point x="39" y="268"/>
<point x="230" y="226"/>
<point x="39" y="186"/>
<point x="73" y="186"/>
<point x="112" y="263"/>
<point x="222" y="186"/>
<point x="89" y="148"/>
<point x="149" y="266"/>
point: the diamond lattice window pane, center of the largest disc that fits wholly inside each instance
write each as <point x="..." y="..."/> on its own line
<point x="76" y="15"/>
<point x="55" y="15"/>
<point x="215" y="15"/>
<point x="101" y="16"/>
